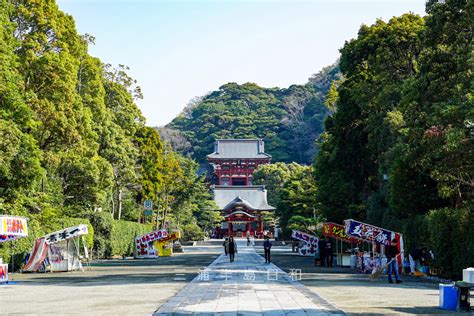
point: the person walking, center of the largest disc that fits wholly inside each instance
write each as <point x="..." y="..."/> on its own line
<point x="267" y="245"/>
<point x="329" y="253"/>
<point x="322" y="250"/>
<point x="232" y="248"/>
<point x="392" y="253"/>
<point x="226" y="245"/>
<point x="248" y="239"/>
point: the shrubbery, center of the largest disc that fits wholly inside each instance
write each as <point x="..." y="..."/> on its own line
<point x="113" y="237"/>
<point x="451" y="235"/>
<point x="192" y="232"/>
<point x="102" y="223"/>
<point x="123" y="236"/>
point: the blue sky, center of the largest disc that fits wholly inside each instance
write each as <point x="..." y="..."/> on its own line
<point x="181" y="49"/>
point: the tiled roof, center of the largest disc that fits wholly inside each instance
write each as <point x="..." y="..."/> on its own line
<point x="239" y="148"/>
<point x="251" y="197"/>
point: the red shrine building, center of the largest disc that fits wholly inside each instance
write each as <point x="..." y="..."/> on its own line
<point x="233" y="163"/>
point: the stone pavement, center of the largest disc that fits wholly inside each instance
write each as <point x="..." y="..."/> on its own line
<point x="246" y="286"/>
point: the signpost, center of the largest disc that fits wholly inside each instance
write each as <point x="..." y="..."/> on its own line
<point x="148" y="207"/>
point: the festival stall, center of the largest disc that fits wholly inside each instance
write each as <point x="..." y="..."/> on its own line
<point x="11" y="228"/>
<point x="377" y="238"/>
<point x="344" y="256"/>
<point x="145" y="244"/>
<point x="165" y="245"/>
<point x="309" y="243"/>
<point x="58" y="251"/>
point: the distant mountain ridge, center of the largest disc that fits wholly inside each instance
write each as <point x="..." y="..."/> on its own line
<point x="288" y="119"/>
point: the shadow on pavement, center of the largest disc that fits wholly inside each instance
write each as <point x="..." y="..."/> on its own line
<point x="180" y="268"/>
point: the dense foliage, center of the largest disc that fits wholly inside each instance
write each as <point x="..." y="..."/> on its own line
<point x="292" y="190"/>
<point x="288" y="119"/>
<point x="399" y="150"/>
<point x="73" y="143"/>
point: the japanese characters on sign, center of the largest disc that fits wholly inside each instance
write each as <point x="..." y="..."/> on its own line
<point x="67" y="233"/>
<point x="12" y="227"/>
<point x="337" y="231"/>
<point x="296" y="234"/>
<point x="171" y="236"/>
<point x="310" y="242"/>
<point x="368" y="232"/>
<point x="143" y="243"/>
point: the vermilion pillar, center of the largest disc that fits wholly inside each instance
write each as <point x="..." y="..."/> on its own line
<point x="229" y="228"/>
<point x="260" y="228"/>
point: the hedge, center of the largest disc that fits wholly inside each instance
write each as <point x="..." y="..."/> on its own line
<point x="451" y="237"/>
<point x="123" y="236"/>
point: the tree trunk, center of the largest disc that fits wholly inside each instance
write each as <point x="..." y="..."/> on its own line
<point x="119" y="204"/>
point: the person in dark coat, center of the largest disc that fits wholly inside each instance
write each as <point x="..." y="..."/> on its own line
<point x="232" y="248"/>
<point x="226" y="245"/>
<point x="392" y="252"/>
<point x="329" y="253"/>
<point x="267" y="245"/>
<point x="322" y="250"/>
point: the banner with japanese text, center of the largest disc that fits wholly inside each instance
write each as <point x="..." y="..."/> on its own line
<point x="67" y="233"/>
<point x="367" y="232"/>
<point x="144" y="247"/>
<point x="374" y="234"/>
<point x="337" y="231"/>
<point x="310" y="246"/>
<point x="12" y="227"/>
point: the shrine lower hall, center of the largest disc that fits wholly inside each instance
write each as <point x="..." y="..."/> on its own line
<point x="233" y="163"/>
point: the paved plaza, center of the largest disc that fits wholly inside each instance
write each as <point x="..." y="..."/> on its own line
<point x="246" y="286"/>
<point x="110" y="287"/>
<point x="202" y="281"/>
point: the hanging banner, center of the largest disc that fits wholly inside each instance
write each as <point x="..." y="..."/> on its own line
<point x="12" y="227"/>
<point x="369" y="233"/>
<point x="310" y="242"/>
<point x="337" y="231"/>
<point x="67" y="233"/>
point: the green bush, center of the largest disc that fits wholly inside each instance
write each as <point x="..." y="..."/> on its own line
<point x="102" y="223"/>
<point x="451" y="233"/>
<point x="191" y="232"/>
<point x="113" y="237"/>
<point x="123" y="236"/>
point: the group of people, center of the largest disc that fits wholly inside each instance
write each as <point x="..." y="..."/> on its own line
<point x="230" y="247"/>
<point x="325" y="252"/>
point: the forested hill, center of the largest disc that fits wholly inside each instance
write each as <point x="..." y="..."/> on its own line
<point x="289" y="120"/>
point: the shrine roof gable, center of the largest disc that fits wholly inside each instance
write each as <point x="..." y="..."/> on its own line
<point x="248" y="197"/>
<point x="239" y="149"/>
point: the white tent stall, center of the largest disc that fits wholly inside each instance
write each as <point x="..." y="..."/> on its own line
<point x="58" y="251"/>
